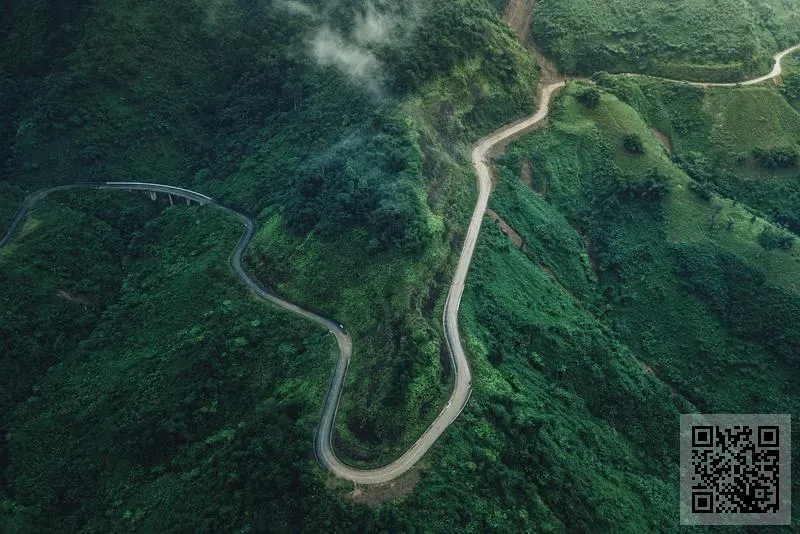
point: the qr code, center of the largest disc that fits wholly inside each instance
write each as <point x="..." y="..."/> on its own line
<point x="735" y="469"/>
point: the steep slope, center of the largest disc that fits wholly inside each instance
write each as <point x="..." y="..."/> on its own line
<point x="724" y="40"/>
<point x="333" y="158"/>
<point x="356" y="164"/>
<point x="727" y="139"/>
<point x="724" y="338"/>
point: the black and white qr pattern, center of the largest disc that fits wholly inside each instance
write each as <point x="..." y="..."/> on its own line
<point x="735" y="470"/>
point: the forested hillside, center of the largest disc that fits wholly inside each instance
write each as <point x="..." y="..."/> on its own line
<point x="639" y="260"/>
<point x="280" y="109"/>
<point x="344" y="128"/>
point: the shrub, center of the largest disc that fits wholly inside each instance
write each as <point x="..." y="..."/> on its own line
<point x="777" y="158"/>
<point x="589" y="97"/>
<point x="654" y="185"/>
<point x="791" y="87"/>
<point x="771" y="239"/>
<point x="703" y="190"/>
<point x="633" y="144"/>
<point x="790" y="221"/>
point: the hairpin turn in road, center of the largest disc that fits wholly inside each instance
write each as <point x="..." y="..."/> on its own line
<point x="323" y="439"/>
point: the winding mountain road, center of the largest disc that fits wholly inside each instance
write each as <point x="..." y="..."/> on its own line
<point x="323" y="447"/>
<point x="777" y="70"/>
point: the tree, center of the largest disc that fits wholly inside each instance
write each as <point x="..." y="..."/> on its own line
<point x="589" y="97"/>
<point x="652" y="186"/>
<point x="791" y="87"/>
<point x="633" y="144"/>
<point x="771" y="239"/>
<point x="777" y="158"/>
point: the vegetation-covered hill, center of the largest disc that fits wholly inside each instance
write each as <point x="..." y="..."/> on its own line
<point x="742" y="143"/>
<point x="707" y="40"/>
<point x="344" y="127"/>
<point x="143" y="389"/>
<point x="325" y="116"/>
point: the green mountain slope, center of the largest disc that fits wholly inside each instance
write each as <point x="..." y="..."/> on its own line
<point x="720" y="40"/>
<point x="143" y="389"/>
<point x="684" y="281"/>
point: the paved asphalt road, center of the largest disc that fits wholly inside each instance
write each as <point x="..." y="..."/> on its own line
<point x="463" y="377"/>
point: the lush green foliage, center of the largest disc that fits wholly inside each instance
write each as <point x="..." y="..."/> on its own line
<point x="596" y="453"/>
<point x="724" y="338"/>
<point x="791" y="87"/>
<point x="790" y="83"/>
<point x="723" y="40"/>
<point x="589" y="97"/>
<point x="143" y="389"/>
<point x="718" y="136"/>
<point x="338" y="167"/>
<point x="633" y="143"/>
<point x="177" y="385"/>
<point x="771" y="239"/>
<point x="783" y="157"/>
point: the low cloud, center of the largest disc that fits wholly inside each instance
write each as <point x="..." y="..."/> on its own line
<point x="330" y="48"/>
<point x="373" y="27"/>
<point x="353" y="52"/>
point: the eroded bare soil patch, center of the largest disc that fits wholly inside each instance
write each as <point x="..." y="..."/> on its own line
<point x="519" y="15"/>
<point x="378" y="494"/>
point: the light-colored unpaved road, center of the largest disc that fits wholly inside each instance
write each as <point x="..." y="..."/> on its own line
<point x="463" y="375"/>
<point x="323" y="446"/>
<point x="463" y="386"/>
<point x="463" y="378"/>
<point x="777" y="70"/>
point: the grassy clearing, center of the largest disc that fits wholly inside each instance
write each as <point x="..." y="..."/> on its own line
<point x="724" y="124"/>
<point x="717" y="136"/>
<point x="689" y="294"/>
<point x="691" y="219"/>
<point x="749" y="118"/>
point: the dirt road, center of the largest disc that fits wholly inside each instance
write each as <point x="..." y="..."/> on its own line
<point x="777" y="70"/>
